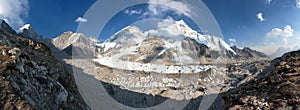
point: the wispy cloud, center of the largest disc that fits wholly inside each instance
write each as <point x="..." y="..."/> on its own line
<point x="81" y="20"/>
<point x="232" y="41"/>
<point x="165" y="22"/>
<point x="268" y="1"/>
<point x="132" y="12"/>
<point x="260" y="17"/>
<point x="298" y="3"/>
<point x="154" y="9"/>
<point x="281" y="34"/>
<point x="14" y="11"/>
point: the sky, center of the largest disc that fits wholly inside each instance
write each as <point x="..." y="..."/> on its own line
<point x="264" y="25"/>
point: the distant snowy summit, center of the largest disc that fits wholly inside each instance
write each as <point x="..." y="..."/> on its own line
<point x="28" y="32"/>
<point x="75" y="44"/>
<point x="179" y="31"/>
<point x="281" y="50"/>
<point x="174" y="48"/>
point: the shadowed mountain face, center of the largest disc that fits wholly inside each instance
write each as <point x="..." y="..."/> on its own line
<point x="4" y="26"/>
<point x="31" y="78"/>
<point x="247" y="53"/>
<point x="278" y="89"/>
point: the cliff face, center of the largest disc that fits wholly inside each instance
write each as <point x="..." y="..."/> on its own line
<point x="31" y="78"/>
<point x="279" y="89"/>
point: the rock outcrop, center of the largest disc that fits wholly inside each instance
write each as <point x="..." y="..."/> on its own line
<point x="31" y="78"/>
<point x="277" y="89"/>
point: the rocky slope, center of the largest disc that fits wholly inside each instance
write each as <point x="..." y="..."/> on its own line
<point x="30" y="78"/>
<point x="277" y="89"/>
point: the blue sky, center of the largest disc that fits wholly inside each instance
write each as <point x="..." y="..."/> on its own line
<point x="261" y="24"/>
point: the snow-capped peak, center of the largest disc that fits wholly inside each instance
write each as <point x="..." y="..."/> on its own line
<point x="26" y="26"/>
<point x="176" y="31"/>
<point x="180" y="29"/>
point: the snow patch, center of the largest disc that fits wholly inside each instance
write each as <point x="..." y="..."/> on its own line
<point x="26" y="26"/>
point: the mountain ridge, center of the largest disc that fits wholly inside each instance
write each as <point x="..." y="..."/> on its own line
<point x="27" y="31"/>
<point x="171" y="38"/>
<point x="281" y="50"/>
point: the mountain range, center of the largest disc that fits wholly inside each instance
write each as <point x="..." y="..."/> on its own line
<point x="175" y="43"/>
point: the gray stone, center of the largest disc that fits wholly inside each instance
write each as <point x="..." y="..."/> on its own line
<point x="62" y="95"/>
<point x="22" y="81"/>
<point x="25" y="88"/>
<point x="29" y="100"/>
<point x="43" y="68"/>
<point x="14" y="85"/>
<point x="19" y="67"/>
<point x="35" y="65"/>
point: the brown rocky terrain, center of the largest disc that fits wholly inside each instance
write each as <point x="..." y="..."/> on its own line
<point x="277" y="89"/>
<point x="31" y="78"/>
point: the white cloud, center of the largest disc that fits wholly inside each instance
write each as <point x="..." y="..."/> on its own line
<point x="81" y="20"/>
<point x="260" y="17"/>
<point x="298" y="3"/>
<point x="268" y="1"/>
<point x="14" y="11"/>
<point x="156" y="10"/>
<point x="132" y="12"/>
<point x="232" y="41"/>
<point x="165" y="22"/>
<point x="281" y="34"/>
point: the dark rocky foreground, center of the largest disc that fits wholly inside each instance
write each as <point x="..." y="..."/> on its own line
<point x="278" y="89"/>
<point x="30" y="78"/>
